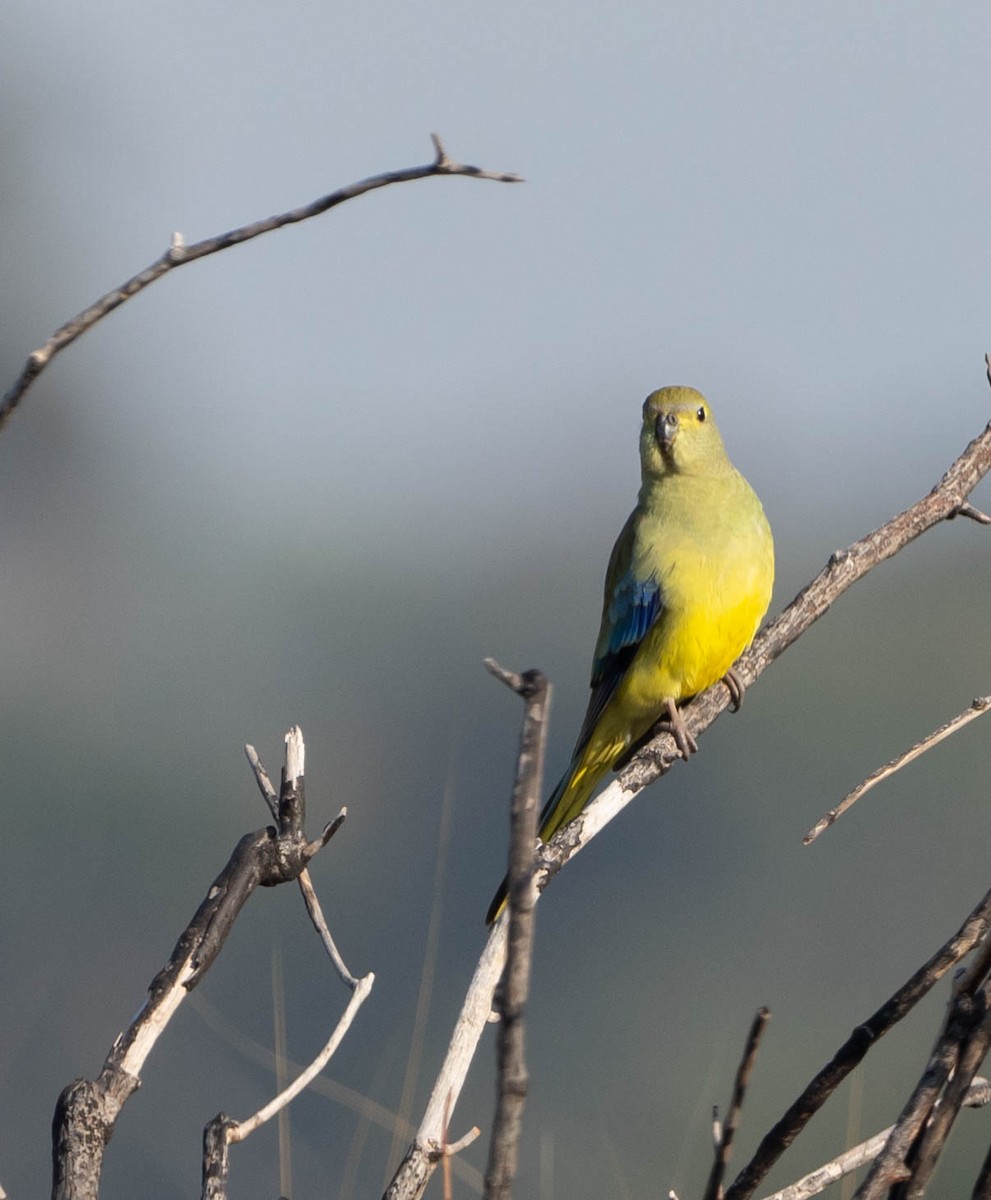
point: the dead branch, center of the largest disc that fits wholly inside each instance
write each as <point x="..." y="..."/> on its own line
<point x="513" y="1078"/>
<point x="724" y="1145"/>
<point x="977" y="1095"/>
<point x="910" y="1154"/>
<point x="222" y="1132"/>
<point x="179" y="255"/>
<point x="780" y="1137"/>
<point x="305" y="883"/>
<point x="87" y="1110"/>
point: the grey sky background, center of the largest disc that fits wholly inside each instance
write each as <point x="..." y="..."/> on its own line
<point x="318" y="477"/>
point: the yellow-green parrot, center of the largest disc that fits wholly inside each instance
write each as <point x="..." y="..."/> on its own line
<point x="689" y="580"/>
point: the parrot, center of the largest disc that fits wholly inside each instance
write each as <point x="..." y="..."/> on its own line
<point x="688" y="583"/>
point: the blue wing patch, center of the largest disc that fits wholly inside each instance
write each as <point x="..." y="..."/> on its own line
<point x="631" y="612"/>
<point x="633" y="609"/>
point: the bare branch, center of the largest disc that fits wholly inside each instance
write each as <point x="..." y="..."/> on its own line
<point x="513" y="1078"/>
<point x="269" y="794"/>
<point x="909" y="1156"/>
<point x="420" y="1159"/>
<point x="853" y="1050"/>
<point x="724" y="1145"/>
<point x="975" y="514"/>
<point x="978" y="1094"/>
<point x="977" y="707"/>
<point x="179" y="254"/>
<point x="87" y="1110"/>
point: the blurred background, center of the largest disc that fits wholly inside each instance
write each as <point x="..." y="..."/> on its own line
<point x="319" y="477"/>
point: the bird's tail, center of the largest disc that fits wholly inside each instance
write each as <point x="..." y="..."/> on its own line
<point x="567" y="800"/>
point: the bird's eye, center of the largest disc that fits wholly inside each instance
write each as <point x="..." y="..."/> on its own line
<point x="701" y="413"/>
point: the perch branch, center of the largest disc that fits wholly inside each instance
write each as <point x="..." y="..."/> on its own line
<point x="844" y="568"/>
<point x="425" y="1151"/>
<point x="513" y="1079"/>
<point x="179" y="254"/>
<point x="977" y="706"/>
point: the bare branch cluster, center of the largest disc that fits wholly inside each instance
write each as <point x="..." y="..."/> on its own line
<point x="87" y="1110"/>
<point x="903" y="1157"/>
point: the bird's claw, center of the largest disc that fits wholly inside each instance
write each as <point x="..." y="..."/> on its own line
<point x="736" y="687"/>
<point x="675" y="725"/>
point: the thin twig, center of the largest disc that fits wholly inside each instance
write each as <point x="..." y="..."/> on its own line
<point x="975" y="514"/>
<point x="978" y="706"/>
<point x="269" y="794"/>
<point x="447" y="1158"/>
<point x="337" y="1093"/>
<point x="179" y="254"/>
<point x="243" y="1129"/>
<point x="513" y="1079"/>
<point x="724" y="1146"/>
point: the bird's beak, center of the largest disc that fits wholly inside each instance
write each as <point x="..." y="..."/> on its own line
<point x="665" y="428"/>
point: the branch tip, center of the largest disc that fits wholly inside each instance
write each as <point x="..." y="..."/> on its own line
<point x="512" y="679"/>
<point x="441" y="160"/>
<point x="332" y="826"/>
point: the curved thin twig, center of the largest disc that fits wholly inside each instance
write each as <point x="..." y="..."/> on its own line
<point x="978" y="706"/>
<point x="179" y="254"/>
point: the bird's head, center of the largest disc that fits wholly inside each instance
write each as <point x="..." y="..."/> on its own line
<point x="679" y="435"/>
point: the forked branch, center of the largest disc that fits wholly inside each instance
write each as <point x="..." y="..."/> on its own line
<point x="87" y="1110"/>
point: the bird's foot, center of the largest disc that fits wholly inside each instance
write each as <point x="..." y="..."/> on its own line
<point x="675" y="725"/>
<point x="736" y="687"/>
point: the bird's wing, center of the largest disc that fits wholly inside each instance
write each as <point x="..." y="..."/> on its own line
<point x="630" y="607"/>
